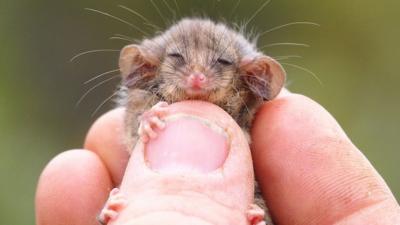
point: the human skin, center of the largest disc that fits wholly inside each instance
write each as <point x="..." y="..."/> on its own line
<point x="199" y="168"/>
<point x="308" y="169"/>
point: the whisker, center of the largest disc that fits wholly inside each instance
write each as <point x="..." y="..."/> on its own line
<point x="184" y="41"/>
<point x="134" y="12"/>
<point x="124" y="36"/>
<point x="287" y="25"/>
<point x="286" y="44"/>
<point x="305" y="70"/>
<point x="169" y="8"/>
<point x="118" y="19"/>
<point x="288" y="83"/>
<point x="154" y="96"/>
<point x="120" y="38"/>
<point x="213" y="7"/>
<point x="213" y="58"/>
<point x="94" y="87"/>
<point x="283" y="57"/>
<point x="257" y="12"/>
<point x="155" y="27"/>
<point x="177" y="8"/>
<point x="223" y="52"/>
<point x="157" y="9"/>
<point x="234" y="8"/>
<point x="217" y="9"/>
<point x="147" y="21"/>
<point x="93" y="51"/>
<point x="104" y="102"/>
<point x="237" y="91"/>
<point x="101" y="75"/>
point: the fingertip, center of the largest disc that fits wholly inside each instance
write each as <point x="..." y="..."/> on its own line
<point x="293" y="121"/>
<point x="106" y="138"/>
<point x="114" y="191"/>
<point x="306" y="165"/>
<point x="72" y="187"/>
<point x="103" y="127"/>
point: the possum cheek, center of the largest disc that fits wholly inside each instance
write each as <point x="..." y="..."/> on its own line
<point x="136" y="64"/>
<point x="263" y="75"/>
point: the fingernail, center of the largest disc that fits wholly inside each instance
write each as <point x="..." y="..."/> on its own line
<point x="187" y="144"/>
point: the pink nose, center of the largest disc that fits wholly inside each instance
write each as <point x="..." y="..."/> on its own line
<point x="197" y="79"/>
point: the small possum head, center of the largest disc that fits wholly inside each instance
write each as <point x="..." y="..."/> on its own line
<point x="200" y="59"/>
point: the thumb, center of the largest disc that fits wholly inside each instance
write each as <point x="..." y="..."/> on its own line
<point x="197" y="171"/>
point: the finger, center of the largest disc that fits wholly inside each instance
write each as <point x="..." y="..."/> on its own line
<point x="109" y="214"/>
<point x="73" y="187"/>
<point x="117" y="203"/>
<point x="118" y="196"/>
<point x="256" y="215"/>
<point x="157" y="122"/>
<point x="201" y="158"/>
<point x="149" y="130"/>
<point x="144" y="138"/>
<point x="160" y="111"/>
<point x="105" y="137"/>
<point x="161" y="104"/>
<point x="309" y="171"/>
<point x="114" y="191"/>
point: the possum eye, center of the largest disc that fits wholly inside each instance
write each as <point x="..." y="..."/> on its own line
<point x="175" y="55"/>
<point x="178" y="58"/>
<point x="224" y="62"/>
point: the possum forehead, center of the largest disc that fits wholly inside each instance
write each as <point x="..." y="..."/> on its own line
<point x="203" y="37"/>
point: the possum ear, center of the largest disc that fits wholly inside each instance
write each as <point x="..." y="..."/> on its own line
<point x="264" y="76"/>
<point x="135" y="61"/>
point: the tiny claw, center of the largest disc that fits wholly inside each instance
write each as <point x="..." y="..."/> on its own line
<point x="120" y="203"/>
<point x="101" y="219"/>
<point x="151" y="122"/>
<point x="159" y="124"/>
<point x="149" y="130"/>
<point x="162" y="104"/>
<point x="256" y="215"/>
<point x="114" y="204"/>
<point x="110" y="214"/>
<point x="144" y="138"/>
<point x="114" y="191"/>
<point x="160" y="108"/>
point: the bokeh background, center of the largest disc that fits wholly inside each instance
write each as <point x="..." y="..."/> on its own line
<point x="355" y="53"/>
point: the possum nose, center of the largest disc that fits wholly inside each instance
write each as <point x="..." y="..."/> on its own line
<point x="197" y="79"/>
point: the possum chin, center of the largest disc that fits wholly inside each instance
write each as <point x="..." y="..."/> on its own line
<point x="197" y="93"/>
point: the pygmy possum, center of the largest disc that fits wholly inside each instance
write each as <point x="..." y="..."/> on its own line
<point x="195" y="59"/>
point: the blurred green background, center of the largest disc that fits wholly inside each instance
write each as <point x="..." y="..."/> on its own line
<point x="355" y="53"/>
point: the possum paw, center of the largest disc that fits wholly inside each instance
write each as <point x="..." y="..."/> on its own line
<point x="255" y="215"/>
<point x="152" y="120"/>
<point x="115" y="203"/>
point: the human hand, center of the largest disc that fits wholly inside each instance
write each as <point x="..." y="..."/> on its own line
<point x="201" y="181"/>
<point x="308" y="169"/>
<point x="197" y="171"/>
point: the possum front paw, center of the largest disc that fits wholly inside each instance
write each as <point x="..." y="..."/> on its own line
<point x="152" y="120"/>
<point x="255" y="215"/>
<point x="115" y="203"/>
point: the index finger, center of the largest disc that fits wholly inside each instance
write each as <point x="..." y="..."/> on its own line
<point x="310" y="172"/>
